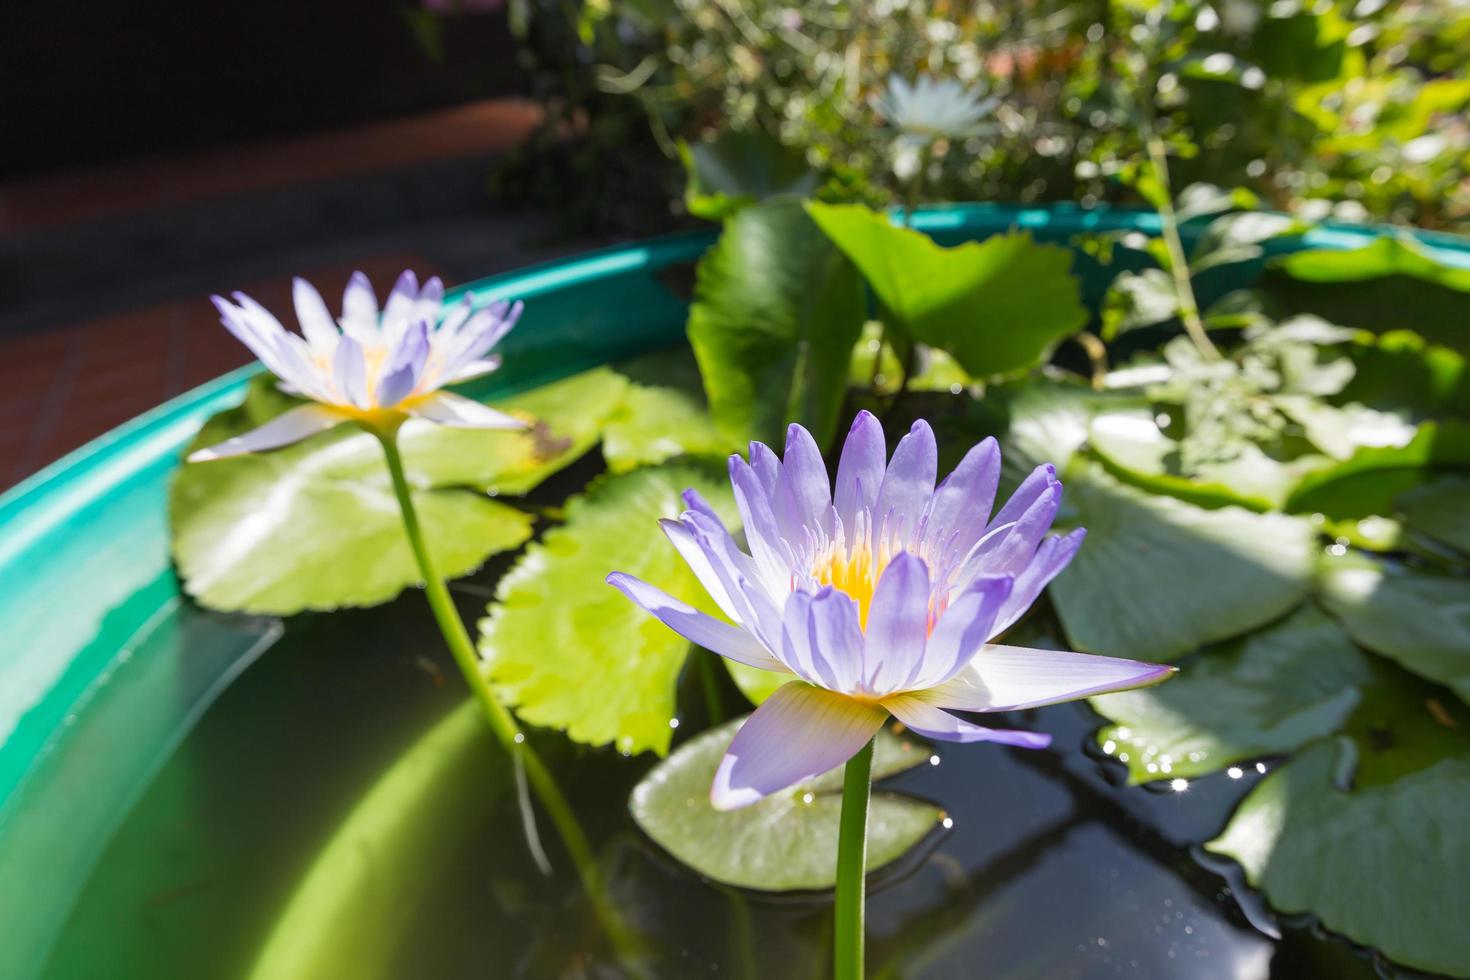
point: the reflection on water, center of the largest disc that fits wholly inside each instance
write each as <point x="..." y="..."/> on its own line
<point x="1049" y="870"/>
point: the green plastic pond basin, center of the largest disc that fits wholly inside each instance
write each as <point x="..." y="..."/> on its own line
<point x="105" y="667"/>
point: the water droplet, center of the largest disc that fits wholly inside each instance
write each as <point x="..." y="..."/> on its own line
<point x="520" y="737"/>
<point x="934" y="760"/>
<point x="947" y="823"/>
<point x="1234" y="772"/>
<point x="1109" y="746"/>
<point x="807" y="798"/>
<point x="1260" y="767"/>
<point x="673" y="723"/>
<point x="1179" y="785"/>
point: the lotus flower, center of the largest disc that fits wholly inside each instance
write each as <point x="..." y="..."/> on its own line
<point x="878" y="599"/>
<point x="370" y="365"/>
<point x="932" y="108"/>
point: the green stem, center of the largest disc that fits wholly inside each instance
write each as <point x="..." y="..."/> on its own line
<point x="502" y="722"/>
<point x="852" y="860"/>
<point x="1178" y="261"/>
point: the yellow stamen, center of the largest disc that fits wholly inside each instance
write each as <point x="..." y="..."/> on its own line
<point x="855" y="573"/>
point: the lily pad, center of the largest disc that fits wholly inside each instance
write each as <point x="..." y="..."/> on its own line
<point x="654" y="424"/>
<point x="1366" y="831"/>
<point x="776" y="312"/>
<point x="787" y="841"/>
<point x="1418" y="619"/>
<point x="557" y="635"/>
<point x="997" y="306"/>
<point x="1441" y="510"/>
<point x="316" y="525"/>
<point x="1268" y="694"/>
<point x="1369" y="481"/>
<point x="1158" y="577"/>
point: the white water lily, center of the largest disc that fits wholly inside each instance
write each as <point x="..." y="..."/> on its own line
<point x="369" y="366"/>
<point x="931" y="108"/>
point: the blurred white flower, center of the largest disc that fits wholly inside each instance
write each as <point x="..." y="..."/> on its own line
<point x="932" y="108"/>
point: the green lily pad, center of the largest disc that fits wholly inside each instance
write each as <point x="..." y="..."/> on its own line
<point x="569" y="651"/>
<point x="654" y="424"/>
<point x="1418" y="619"/>
<point x="786" y="842"/>
<point x="316" y="525"/>
<point x="997" y="306"/>
<point x="1371" y="479"/>
<point x="737" y="169"/>
<point x="1135" y="449"/>
<point x="1366" y="831"/>
<point x="1441" y="510"/>
<point x="1268" y="694"/>
<point x="1158" y="577"/>
<point x="776" y="312"/>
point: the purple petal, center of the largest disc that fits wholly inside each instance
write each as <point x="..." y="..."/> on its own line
<point x="349" y="370"/>
<point x="799" y="732"/>
<point x="760" y="523"/>
<point x="293" y="426"/>
<point x="740" y="577"/>
<point x="803" y="497"/>
<point x="405" y="365"/>
<point x="360" y="309"/>
<point x="860" y="470"/>
<point x="699" y="563"/>
<point x="909" y="482"/>
<point x="316" y="320"/>
<point x="766" y="466"/>
<point x="961" y="507"/>
<point x="963" y="628"/>
<point x="1002" y="678"/>
<point x="1051" y="557"/>
<point x="459" y="412"/>
<point x="430" y="302"/>
<point x="399" y="308"/>
<point x="898" y="624"/>
<point x="696" y="627"/>
<point x="1037" y="482"/>
<point x="930" y="721"/>
<point x="821" y="639"/>
<point x="474" y="369"/>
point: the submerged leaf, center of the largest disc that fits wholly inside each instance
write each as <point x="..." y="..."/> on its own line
<point x="787" y="841"/>
<point x="1159" y="577"/>
<point x="777" y="310"/>
<point x="569" y="651"/>
<point x="997" y="306"/>
<point x="1270" y="693"/>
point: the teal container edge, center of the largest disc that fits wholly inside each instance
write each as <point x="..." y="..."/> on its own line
<point x="106" y="665"/>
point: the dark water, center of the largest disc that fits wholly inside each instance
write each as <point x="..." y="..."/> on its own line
<point x="1049" y="870"/>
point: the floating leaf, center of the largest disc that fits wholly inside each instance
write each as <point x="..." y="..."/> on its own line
<point x="997" y="306"/>
<point x="1368" y="482"/>
<point x="737" y="169"/>
<point x="569" y="651"/>
<point x="777" y="310"/>
<point x="785" y="842"/>
<point x="1381" y="862"/>
<point x="1158" y="577"/>
<point x="1440" y="509"/>
<point x="1420" y="620"/>
<point x="1135" y="449"/>
<point x="656" y="424"/>
<point x="316" y="525"/>
<point x="1268" y="694"/>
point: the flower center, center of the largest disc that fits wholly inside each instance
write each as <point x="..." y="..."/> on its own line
<point x="854" y="573"/>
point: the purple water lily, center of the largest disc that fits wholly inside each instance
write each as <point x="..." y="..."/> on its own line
<point x="879" y="597"/>
<point x="369" y="365"/>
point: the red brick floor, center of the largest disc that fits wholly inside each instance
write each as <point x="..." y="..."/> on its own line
<point x="73" y="382"/>
<point x="63" y="388"/>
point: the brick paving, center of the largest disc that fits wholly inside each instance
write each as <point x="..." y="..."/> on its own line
<point x="70" y="380"/>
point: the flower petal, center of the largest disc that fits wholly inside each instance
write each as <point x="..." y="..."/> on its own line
<point x="699" y="563"/>
<point x="1050" y="559"/>
<point x="898" y="624"/>
<point x="1003" y="678"/>
<point x="349" y="370"/>
<point x="961" y="507"/>
<point x="284" y="429"/>
<point x="728" y="641"/>
<point x="860" y="470"/>
<point x="799" y="732"/>
<point x="456" y="411"/>
<point x="930" y="721"/>
<point x="963" y="629"/>
<point x="316" y="320"/>
<point x="770" y="552"/>
<point x="908" y="483"/>
<point x="821" y="639"/>
<point x="803" y="497"/>
<point x="737" y="571"/>
<point x="474" y="369"/>
<point x="405" y="365"/>
<point x="399" y="308"/>
<point x="360" y="310"/>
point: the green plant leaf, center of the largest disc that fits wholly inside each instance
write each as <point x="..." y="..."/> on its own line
<point x="569" y="651"/>
<point x="1367" y="482"/>
<point x="1401" y="370"/>
<point x="1418" y="619"/>
<point x="786" y="842"/>
<point x="316" y="525"/>
<point x="997" y="306"/>
<point x="1267" y="694"/>
<point x="776" y="312"/>
<point x="1366" y="831"/>
<point x="1138" y="299"/>
<point x="1158" y="577"/>
<point x="737" y="169"/>
<point x="1134" y="448"/>
<point x="1440" y="509"/>
<point x="654" y="424"/>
